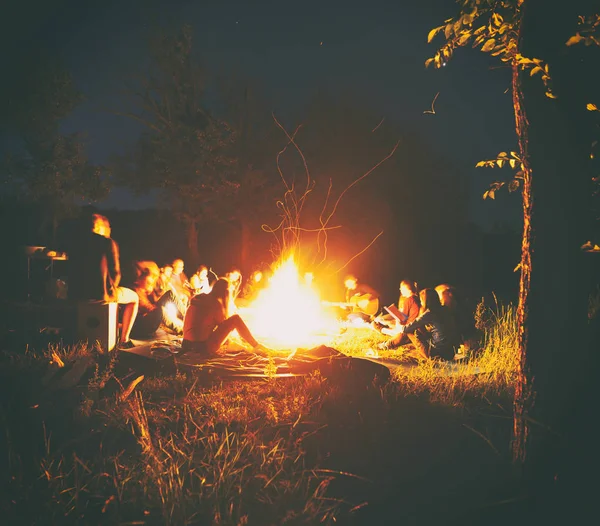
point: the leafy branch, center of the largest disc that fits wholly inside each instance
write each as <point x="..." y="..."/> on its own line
<point x="492" y="26"/>
<point x="511" y="160"/>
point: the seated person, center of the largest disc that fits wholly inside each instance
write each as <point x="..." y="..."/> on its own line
<point x="163" y="283"/>
<point x="464" y="323"/>
<point x="362" y="299"/>
<point x="153" y="309"/>
<point x="409" y="305"/>
<point x="95" y="274"/>
<point x="206" y="325"/>
<point x="439" y="336"/>
<point x="146" y="268"/>
<point x="199" y="281"/>
<point x="179" y="281"/>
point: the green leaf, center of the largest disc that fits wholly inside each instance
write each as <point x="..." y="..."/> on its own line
<point x="432" y="33"/>
<point x="448" y="31"/>
<point x="464" y="38"/>
<point x="575" y="39"/>
<point x="535" y="70"/>
<point x="489" y="45"/>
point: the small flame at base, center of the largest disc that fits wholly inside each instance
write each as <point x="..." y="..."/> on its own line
<point x="288" y="313"/>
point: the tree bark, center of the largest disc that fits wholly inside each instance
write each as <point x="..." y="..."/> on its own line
<point x="554" y="349"/>
<point x="192" y="242"/>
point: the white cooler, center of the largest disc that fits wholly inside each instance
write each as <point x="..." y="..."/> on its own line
<point x="97" y="323"/>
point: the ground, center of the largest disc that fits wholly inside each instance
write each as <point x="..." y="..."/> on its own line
<point x="177" y="449"/>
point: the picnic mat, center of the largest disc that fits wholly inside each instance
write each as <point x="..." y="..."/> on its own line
<point x="236" y="362"/>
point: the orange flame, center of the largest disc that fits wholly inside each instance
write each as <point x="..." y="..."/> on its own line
<point x="288" y="313"/>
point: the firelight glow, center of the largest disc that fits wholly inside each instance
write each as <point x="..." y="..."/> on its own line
<point x="288" y="312"/>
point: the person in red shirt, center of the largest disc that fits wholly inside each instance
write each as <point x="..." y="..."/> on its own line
<point x="409" y="306"/>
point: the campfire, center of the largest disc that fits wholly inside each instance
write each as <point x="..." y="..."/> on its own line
<point x="288" y="312"/>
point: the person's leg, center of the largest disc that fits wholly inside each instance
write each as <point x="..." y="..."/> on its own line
<point x="130" y="300"/>
<point x="225" y="328"/>
<point x="421" y="345"/>
<point x="147" y="324"/>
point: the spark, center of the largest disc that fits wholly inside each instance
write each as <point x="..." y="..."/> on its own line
<point x="432" y="111"/>
<point x="380" y="123"/>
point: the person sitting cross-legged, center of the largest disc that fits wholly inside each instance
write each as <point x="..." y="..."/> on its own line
<point x="409" y="306"/>
<point x="437" y="338"/>
<point x="206" y="325"/>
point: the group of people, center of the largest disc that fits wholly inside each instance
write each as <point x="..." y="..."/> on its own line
<point x="202" y="311"/>
<point x="432" y="323"/>
<point x="202" y="308"/>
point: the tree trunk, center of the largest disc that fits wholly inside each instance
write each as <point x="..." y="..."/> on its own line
<point x="555" y="277"/>
<point x="192" y="242"/>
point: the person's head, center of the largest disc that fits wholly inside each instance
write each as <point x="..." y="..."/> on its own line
<point x="407" y="288"/>
<point x="445" y="294"/>
<point x="167" y="271"/>
<point x="234" y="275"/>
<point x="221" y="290"/>
<point x="178" y="266"/>
<point x="100" y="225"/>
<point x="430" y="300"/>
<point x="202" y="272"/>
<point x="350" y="282"/>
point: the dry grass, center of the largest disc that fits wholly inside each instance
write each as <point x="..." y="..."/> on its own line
<point x="230" y="454"/>
<point x="176" y="452"/>
<point x="488" y="370"/>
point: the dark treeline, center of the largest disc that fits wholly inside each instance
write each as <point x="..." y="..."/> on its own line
<point x="480" y="262"/>
<point x="210" y="148"/>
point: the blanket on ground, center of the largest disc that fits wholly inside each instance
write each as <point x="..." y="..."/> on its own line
<point x="239" y="363"/>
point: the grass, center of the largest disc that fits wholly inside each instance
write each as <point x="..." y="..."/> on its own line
<point x="174" y="451"/>
<point x="488" y="370"/>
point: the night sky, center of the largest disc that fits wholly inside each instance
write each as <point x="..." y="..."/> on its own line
<point x="375" y="52"/>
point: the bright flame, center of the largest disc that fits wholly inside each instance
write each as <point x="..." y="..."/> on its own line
<point x="257" y="276"/>
<point x="170" y="313"/>
<point x="288" y="313"/>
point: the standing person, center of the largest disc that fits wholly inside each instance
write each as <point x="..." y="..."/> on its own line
<point x="207" y="325"/>
<point x="95" y="274"/>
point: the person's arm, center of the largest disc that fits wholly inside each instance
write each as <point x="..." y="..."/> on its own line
<point x="146" y="304"/>
<point x="412" y="310"/>
<point x="114" y="265"/>
<point x="421" y="321"/>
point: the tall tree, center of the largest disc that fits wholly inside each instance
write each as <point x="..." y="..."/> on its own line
<point x="187" y="150"/>
<point x="554" y="172"/>
<point x="46" y="166"/>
